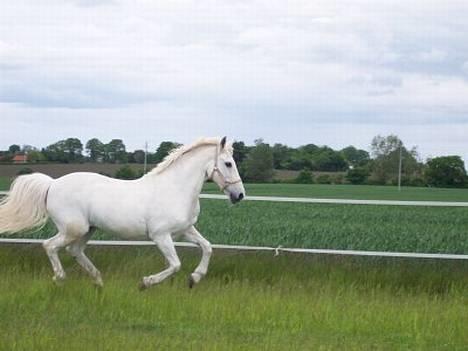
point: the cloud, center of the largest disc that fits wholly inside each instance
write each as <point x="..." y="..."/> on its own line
<point x="248" y="63"/>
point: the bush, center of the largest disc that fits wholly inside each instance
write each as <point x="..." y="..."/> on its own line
<point x="338" y="179"/>
<point x="357" y="175"/>
<point x="25" y="170"/>
<point x="324" y="179"/>
<point x="126" y="172"/>
<point x="304" y="177"/>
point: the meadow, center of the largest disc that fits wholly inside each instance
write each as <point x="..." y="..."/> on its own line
<point x="248" y="301"/>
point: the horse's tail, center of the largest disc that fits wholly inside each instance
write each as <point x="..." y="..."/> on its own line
<point x="25" y="205"/>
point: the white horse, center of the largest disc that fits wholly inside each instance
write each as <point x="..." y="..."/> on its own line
<point x="162" y="205"/>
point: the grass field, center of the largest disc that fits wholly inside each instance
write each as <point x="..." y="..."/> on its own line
<point x="247" y="302"/>
<point x="364" y="192"/>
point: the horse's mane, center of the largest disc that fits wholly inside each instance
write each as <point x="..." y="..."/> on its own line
<point x="177" y="153"/>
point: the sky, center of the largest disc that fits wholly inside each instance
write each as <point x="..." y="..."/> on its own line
<point x="326" y="72"/>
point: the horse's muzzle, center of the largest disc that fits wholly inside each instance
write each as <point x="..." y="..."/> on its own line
<point x="235" y="198"/>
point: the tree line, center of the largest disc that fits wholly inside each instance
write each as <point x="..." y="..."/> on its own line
<point x="258" y="162"/>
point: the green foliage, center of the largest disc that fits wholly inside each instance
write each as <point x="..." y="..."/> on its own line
<point x="240" y="151"/>
<point x="305" y="177"/>
<point x="25" y="170"/>
<point x="163" y="150"/>
<point x="355" y="157"/>
<point x="323" y="179"/>
<point x="13" y="149"/>
<point x="36" y="156"/>
<point x="115" y="151"/>
<point x="259" y="163"/>
<point x="446" y="171"/>
<point x="357" y="175"/>
<point x="68" y="150"/>
<point x="138" y="156"/>
<point x="126" y="172"/>
<point x="386" y="153"/>
<point x="95" y="150"/>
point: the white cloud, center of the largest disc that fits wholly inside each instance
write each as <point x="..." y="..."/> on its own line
<point x="354" y="64"/>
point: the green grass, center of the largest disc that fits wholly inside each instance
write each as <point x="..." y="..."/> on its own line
<point x="4" y="183"/>
<point x="358" y="227"/>
<point x="364" y="192"/>
<point x="247" y="302"/>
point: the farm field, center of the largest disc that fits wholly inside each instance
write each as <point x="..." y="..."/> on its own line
<point x="360" y="192"/>
<point x="248" y="301"/>
<point x="324" y="226"/>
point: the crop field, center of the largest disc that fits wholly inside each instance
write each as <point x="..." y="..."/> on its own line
<point x="248" y="301"/>
<point x="360" y="192"/>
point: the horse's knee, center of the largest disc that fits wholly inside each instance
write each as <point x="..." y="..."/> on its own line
<point x="74" y="250"/>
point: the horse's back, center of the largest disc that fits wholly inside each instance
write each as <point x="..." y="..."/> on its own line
<point x="93" y="199"/>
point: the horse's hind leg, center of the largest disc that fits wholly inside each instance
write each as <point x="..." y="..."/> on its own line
<point x="66" y="235"/>
<point x="52" y="247"/>
<point x="76" y="249"/>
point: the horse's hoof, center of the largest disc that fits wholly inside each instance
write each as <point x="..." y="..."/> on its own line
<point x="191" y="282"/>
<point x="59" y="281"/>
<point x="142" y="286"/>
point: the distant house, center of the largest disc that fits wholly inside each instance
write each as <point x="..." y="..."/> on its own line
<point x="20" y="158"/>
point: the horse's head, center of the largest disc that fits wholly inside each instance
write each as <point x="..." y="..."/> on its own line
<point x="225" y="174"/>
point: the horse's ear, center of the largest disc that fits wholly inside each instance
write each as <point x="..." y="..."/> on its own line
<point x="223" y="142"/>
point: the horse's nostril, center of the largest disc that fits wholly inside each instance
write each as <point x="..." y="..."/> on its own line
<point x="241" y="196"/>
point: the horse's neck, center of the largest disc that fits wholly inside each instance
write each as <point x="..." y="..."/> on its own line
<point x="189" y="173"/>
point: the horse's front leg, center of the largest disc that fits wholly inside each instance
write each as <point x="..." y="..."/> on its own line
<point x="194" y="236"/>
<point x="166" y="246"/>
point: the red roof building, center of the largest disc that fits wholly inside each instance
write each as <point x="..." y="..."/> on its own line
<point x="20" y="159"/>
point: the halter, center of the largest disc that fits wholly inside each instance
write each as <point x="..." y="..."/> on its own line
<point x="224" y="182"/>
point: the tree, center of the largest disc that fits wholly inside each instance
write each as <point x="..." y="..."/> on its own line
<point x="73" y="149"/>
<point x="446" y="171"/>
<point x="240" y="152"/>
<point x="386" y="153"/>
<point x="68" y="150"/>
<point x="138" y="156"/>
<point x="115" y="151"/>
<point x="355" y="157"/>
<point x="259" y="163"/>
<point x="13" y="149"/>
<point x="281" y="155"/>
<point x="56" y="152"/>
<point x="95" y="150"/>
<point x="36" y="156"/>
<point x="329" y="160"/>
<point x="163" y="150"/>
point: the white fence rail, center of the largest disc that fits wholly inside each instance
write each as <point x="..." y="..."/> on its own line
<point x="275" y="250"/>
<point x="335" y="201"/>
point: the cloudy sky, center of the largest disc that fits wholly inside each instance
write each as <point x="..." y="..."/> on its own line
<point x="296" y="72"/>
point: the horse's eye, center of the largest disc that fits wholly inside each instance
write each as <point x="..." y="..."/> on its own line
<point x="228" y="164"/>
